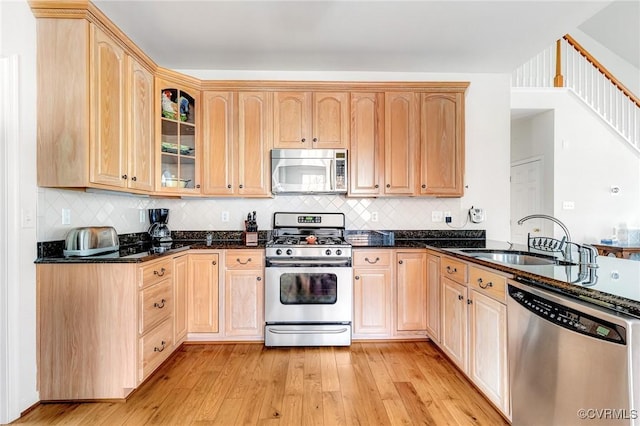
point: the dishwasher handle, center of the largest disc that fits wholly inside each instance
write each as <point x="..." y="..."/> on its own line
<point x="567" y="317"/>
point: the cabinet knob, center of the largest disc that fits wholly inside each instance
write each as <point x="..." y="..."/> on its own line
<point x="259" y="278"/>
<point x="376" y="186"/>
<point x="424" y="186"/>
<point x="460" y="297"/>
<point x="241" y="186"/>
<point x="134" y="178"/>
<point x="388" y="185"/>
<point x="400" y="262"/>
<point x="451" y="270"/>
<point x="198" y="186"/>
<point x="469" y="301"/>
<point x="315" y="139"/>
<point x="124" y="177"/>
<point x="357" y="277"/>
<point x="214" y="263"/>
<point x="229" y="186"/>
<point x="303" y="140"/>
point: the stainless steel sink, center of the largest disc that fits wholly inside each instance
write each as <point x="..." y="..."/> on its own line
<point x="514" y="257"/>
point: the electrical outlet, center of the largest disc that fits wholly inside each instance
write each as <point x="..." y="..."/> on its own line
<point x="66" y="217"/>
<point x="141" y="216"/>
<point x="436" y="216"/>
<point x="224" y="216"/>
<point x="568" y="205"/>
<point x="447" y="217"/>
<point x="374" y="216"/>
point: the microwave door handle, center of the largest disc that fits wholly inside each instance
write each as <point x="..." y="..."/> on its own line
<point x="332" y="174"/>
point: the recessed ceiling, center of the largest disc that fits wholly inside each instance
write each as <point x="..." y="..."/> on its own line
<point x="402" y="36"/>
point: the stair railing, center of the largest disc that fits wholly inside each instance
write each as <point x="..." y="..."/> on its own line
<point x="589" y="80"/>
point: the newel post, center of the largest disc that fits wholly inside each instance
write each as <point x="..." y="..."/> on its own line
<point x="558" y="80"/>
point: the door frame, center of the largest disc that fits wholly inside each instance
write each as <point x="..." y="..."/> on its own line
<point x="512" y="220"/>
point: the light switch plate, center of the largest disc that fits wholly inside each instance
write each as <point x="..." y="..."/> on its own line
<point x="66" y="217"/>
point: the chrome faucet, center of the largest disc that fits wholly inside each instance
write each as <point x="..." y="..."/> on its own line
<point x="551" y="218"/>
<point x="567" y="250"/>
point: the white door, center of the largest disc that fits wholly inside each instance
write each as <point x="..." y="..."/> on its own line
<point x="526" y="199"/>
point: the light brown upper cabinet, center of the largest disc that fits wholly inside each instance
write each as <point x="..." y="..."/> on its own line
<point x="401" y="134"/>
<point x="178" y="164"/>
<point x="311" y="120"/>
<point x="94" y="110"/>
<point x="237" y="130"/>
<point x="366" y="156"/>
<point x="442" y="144"/>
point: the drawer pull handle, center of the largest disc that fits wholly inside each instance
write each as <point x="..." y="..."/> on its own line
<point x="483" y="285"/>
<point x="159" y="305"/>
<point x="161" y="273"/>
<point x="157" y="349"/>
<point x="451" y="270"/>
<point x="243" y="263"/>
<point x="460" y="297"/>
<point x="469" y="301"/>
<point x="374" y="262"/>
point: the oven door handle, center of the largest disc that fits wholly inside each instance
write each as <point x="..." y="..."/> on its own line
<point x="304" y="262"/>
<point x="281" y="331"/>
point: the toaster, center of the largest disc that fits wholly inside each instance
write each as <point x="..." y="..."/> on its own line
<point x="90" y="241"/>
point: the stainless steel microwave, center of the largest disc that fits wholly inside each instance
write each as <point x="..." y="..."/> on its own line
<point x="308" y="171"/>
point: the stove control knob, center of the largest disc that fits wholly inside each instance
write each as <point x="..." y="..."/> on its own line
<point x="328" y="252"/>
<point x="338" y="252"/>
<point x="278" y="252"/>
<point x="289" y="252"/>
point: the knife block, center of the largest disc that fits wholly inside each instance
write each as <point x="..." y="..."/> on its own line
<point x="250" y="239"/>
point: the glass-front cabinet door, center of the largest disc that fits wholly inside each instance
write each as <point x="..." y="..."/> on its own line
<point x="179" y="145"/>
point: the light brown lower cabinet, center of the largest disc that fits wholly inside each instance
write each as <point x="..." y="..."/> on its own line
<point x="102" y="327"/>
<point x="180" y="311"/>
<point x="433" y="297"/>
<point x="411" y="292"/>
<point x="244" y="294"/>
<point x="372" y="293"/>
<point x="203" y="293"/>
<point x="473" y="332"/>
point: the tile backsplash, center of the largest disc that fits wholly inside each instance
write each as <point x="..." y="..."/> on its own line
<point x="123" y="212"/>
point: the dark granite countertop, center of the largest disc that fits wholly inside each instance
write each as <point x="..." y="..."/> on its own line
<point x="613" y="284"/>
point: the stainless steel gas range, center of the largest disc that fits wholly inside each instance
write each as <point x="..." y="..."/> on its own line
<point x="308" y="281"/>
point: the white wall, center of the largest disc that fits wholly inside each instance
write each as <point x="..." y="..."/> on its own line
<point x="17" y="31"/>
<point x="532" y="136"/>
<point x="487" y="177"/>
<point x="589" y="158"/>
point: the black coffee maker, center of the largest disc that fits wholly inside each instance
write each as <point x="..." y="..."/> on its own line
<point x="159" y="231"/>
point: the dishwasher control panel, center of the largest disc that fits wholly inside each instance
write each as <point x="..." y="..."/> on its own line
<point x="569" y="318"/>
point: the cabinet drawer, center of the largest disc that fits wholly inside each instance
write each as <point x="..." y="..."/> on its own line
<point x="156" y="303"/>
<point x="156" y="272"/>
<point x="372" y="258"/>
<point x="455" y="270"/>
<point x="487" y="282"/>
<point x="155" y="346"/>
<point x="244" y="259"/>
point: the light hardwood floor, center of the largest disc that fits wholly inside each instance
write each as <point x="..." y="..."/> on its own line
<point x="365" y="384"/>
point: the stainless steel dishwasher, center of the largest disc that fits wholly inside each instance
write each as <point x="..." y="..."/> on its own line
<point x="570" y="362"/>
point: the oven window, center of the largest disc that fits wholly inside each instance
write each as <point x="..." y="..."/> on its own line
<point x="308" y="288"/>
